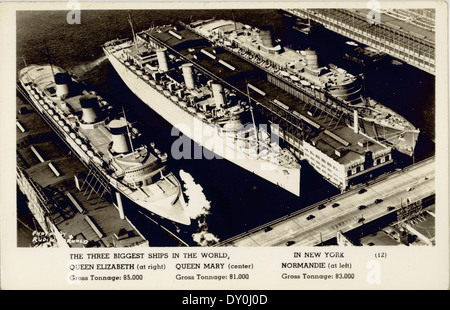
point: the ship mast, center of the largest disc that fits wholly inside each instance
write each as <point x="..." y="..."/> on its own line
<point x="132" y="28"/>
<point x="366" y="101"/>
<point x="128" y="130"/>
<point x="24" y="61"/>
<point x="50" y="61"/>
<point x="251" y="112"/>
<point x="234" y="21"/>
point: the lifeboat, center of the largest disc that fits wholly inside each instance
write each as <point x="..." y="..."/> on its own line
<point x="97" y="160"/>
<point x="163" y="156"/>
<point x="305" y="83"/>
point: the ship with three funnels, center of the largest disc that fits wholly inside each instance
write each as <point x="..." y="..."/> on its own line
<point x="190" y="99"/>
<point x="105" y="141"/>
<point x="301" y="70"/>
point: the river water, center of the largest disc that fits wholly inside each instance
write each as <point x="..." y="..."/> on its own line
<point x="236" y="199"/>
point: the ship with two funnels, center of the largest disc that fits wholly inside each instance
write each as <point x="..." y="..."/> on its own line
<point x="302" y="72"/>
<point x="104" y="140"/>
<point x="201" y="107"/>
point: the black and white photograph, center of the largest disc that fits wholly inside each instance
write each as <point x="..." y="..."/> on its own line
<point x="186" y="140"/>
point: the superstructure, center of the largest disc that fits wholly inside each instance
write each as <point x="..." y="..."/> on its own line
<point x="104" y="140"/>
<point x="303" y="73"/>
<point x="200" y="105"/>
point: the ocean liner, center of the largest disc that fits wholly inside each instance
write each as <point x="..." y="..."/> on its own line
<point x="201" y="106"/>
<point x="104" y="140"/>
<point x="301" y="71"/>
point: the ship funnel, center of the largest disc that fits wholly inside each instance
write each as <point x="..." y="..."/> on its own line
<point x="118" y="129"/>
<point x="162" y="60"/>
<point x="89" y="105"/>
<point x="218" y="95"/>
<point x="188" y="76"/>
<point x="312" y="61"/>
<point x="355" y="121"/>
<point x="62" y="85"/>
<point x="266" y="37"/>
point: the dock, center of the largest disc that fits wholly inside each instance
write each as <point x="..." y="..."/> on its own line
<point x="399" y="196"/>
<point x="408" y="35"/>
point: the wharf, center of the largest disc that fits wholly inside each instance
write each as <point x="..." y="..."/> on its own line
<point x="404" y="194"/>
<point x="50" y="175"/>
<point x="304" y="117"/>
<point x="407" y="39"/>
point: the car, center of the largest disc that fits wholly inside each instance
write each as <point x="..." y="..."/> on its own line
<point x="289" y="243"/>
<point x="361" y="220"/>
<point x="390" y="208"/>
<point x="362" y="191"/>
<point x="409" y="189"/>
<point x="310" y="217"/>
<point x="378" y="200"/>
<point x="334" y="205"/>
<point x="362" y="207"/>
<point x="268" y="228"/>
<point x="322" y="206"/>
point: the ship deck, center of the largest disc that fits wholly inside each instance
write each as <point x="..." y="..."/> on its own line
<point x="190" y="46"/>
<point x="65" y="215"/>
<point x="290" y="61"/>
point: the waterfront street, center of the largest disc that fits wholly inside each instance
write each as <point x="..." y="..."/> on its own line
<point x="410" y="184"/>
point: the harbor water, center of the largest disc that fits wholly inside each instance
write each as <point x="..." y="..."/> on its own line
<point x="234" y="200"/>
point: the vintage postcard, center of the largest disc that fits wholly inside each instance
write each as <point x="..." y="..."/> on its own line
<point x="224" y="145"/>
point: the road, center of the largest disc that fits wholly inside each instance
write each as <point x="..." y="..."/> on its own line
<point x="412" y="183"/>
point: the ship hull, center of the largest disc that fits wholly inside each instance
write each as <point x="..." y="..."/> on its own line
<point x="200" y="132"/>
<point x="402" y="139"/>
<point x="157" y="207"/>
